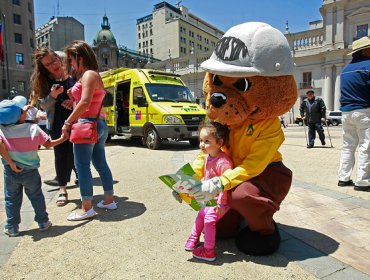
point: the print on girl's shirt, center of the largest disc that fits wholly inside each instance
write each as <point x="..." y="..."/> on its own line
<point x="138" y="115"/>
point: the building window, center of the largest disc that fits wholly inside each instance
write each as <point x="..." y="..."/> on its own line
<point x="361" y="31"/>
<point x="3" y="84"/>
<point x="30" y="25"/>
<point x="18" y="38"/>
<point x="32" y="44"/>
<point x="30" y="7"/>
<point x="306" y="80"/>
<point x="21" y="85"/>
<point x="19" y="59"/>
<point x="17" y="2"/>
<point x="17" y="19"/>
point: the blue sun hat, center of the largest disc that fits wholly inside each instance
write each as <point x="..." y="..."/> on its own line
<point x="11" y="110"/>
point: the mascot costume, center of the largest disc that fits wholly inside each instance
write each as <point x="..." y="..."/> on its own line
<point x="248" y="84"/>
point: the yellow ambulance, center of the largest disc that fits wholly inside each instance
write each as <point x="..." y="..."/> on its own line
<point x="151" y="105"/>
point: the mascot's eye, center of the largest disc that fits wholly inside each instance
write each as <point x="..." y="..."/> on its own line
<point x="216" y="80"/>
<point x="242" y="85"/>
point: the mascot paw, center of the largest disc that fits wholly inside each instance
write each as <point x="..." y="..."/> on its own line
<point x="256" y="244"/>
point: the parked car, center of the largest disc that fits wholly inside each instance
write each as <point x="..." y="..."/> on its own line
<point x="298" y="120"/>
<point x="334" y="118"/>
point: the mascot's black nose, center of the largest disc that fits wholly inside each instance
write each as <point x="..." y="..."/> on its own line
<point x="218" y="99"/>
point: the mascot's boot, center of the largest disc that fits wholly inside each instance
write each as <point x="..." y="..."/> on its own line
<point x="256" y="244"/>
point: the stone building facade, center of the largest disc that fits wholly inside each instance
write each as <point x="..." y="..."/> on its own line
<point x="59" y="32"/>
<point x="18" y="34"/>
<point x="171" y="32"/>
<point x="111" y="56"/>
<point x="319" y="52"/>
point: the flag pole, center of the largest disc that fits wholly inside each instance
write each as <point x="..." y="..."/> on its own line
<point x="5" y="43"/>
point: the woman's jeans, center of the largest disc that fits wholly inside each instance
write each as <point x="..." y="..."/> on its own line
<point x="30" y="180"/>
<point x="84" y="154"/>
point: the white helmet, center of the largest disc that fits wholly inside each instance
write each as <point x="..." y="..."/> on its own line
<point x="251" y="49"/>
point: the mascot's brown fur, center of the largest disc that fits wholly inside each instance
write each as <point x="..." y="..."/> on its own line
<point x="247" y="88"/>
<point x="265" y="97"/>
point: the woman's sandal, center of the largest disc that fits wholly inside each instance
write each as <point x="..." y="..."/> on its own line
<point x="62" y="199"/>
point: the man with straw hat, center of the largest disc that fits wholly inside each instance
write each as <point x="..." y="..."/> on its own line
<point x="355" y="105"/>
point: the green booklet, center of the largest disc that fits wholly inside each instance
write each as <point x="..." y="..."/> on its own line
<point x="185" y="174"/>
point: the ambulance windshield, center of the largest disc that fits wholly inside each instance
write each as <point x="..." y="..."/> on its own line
<point x="169" y="93"/>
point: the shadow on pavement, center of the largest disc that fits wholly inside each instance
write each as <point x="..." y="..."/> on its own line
<point x="126" y="210"/>
<point x="96" y="182"/>
<point x="54" y="231"/>
<point x="297" y="244"/>
<point x="168" y="145"/>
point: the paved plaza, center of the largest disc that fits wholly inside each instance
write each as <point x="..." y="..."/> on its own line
<point x="325" y="228"/>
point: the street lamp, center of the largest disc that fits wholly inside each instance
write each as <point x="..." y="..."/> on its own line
<point x="171" y="63"/>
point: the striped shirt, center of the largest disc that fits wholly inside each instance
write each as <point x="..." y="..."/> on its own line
<point x="22" y="142"/>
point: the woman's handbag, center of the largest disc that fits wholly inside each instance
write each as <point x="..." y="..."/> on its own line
<point x="85" y="132"/>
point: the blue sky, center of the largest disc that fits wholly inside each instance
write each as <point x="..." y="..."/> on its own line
<point x="122" y="14"/>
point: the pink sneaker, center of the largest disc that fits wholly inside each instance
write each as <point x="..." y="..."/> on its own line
<point x="204" y="254"/>
<point x="191" y="243"/>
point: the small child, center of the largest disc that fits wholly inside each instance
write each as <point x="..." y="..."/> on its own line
<point x="212" y="137"/>
<point x="19" y="143"/>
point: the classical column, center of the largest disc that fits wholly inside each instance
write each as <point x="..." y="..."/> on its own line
<point x="338" y="70"/>
<point x="327" y="93"/>
<point x="329" y="27"/>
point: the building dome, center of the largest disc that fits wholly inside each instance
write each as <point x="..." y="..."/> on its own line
<point x="105" y="34"/>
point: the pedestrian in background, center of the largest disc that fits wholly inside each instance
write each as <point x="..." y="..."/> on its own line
<point x="32" y="111"/>
<point x="282" y="120"/>
<point x="212" y="137"/>
<point x="355" y="105"/>
<point x="19" y="142"/>
<point x="50" y="83"/>
<point x="41" y="120"/>
<point x="88" y="94"/>
<point x="313" y="111"/>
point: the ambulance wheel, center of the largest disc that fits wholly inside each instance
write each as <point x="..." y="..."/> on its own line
<point x="109" y="138"/>
<point x="194" y="142"/>
<point x="152" y="139"/>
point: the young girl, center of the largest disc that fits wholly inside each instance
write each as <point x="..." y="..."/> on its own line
<point x="212" y="136"/>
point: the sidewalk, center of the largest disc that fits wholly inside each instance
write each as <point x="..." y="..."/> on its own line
<point x="325" y="229"/>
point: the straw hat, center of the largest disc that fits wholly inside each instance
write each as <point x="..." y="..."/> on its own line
<point x="360" y="44"/>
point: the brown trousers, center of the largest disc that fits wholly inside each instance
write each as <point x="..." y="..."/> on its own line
<point x="256" y="201"/>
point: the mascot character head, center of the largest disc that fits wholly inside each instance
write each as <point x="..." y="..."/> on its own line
<point x="249" y="75"/>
